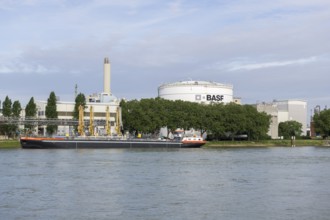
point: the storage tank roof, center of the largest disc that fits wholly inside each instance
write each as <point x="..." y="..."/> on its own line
<point x="200" y="83"/>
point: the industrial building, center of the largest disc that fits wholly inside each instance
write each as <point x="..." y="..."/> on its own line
<point x="99" y="104"/>
<point x="105" y="105"/>
<point x="99" y="109"/>
<point x="202" y="92"/>
<point x="282" y="111"/>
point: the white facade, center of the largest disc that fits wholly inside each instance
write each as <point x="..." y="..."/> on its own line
<point x="293" y="110"/>
<point x="65" y="111"/>
<point x="285" y="110"/>
<point x="270" y="109"/>
<point x="197" y="91"/>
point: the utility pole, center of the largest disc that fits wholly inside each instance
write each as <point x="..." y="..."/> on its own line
<point x="75" y="91"/>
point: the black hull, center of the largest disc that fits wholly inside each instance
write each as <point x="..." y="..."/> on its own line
<point x="103" y="144"/>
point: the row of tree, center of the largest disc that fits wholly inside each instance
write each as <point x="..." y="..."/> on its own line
<point x="13" y="110"/>
<point x="218" y="120"/>
<point x="148" y="116"/>
<point x="10" y="109"/>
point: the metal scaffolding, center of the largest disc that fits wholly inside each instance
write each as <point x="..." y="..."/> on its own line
<point x="46" y="121"/>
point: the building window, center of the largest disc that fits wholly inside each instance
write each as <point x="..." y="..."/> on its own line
<point x="61" y="114"/>
<point x="41" y="113"/>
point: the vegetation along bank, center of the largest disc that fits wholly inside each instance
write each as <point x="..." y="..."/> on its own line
<point x="224" y="144"/>
<point x="148" y="116"/>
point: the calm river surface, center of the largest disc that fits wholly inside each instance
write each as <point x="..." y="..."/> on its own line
<point x="232" y="183"/>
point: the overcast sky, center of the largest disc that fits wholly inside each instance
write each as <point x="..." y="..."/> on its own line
<point x="267" y="49"/>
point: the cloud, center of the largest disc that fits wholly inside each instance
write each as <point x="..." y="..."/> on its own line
<point x="25" y="69"/>
<point x="237" y="66"/>
<point x="175" y="6"/>
<point x="160" y="41"/>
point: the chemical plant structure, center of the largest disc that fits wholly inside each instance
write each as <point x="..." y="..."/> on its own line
<point x="105" y="107"/>
<point x="204" y="92"/>
<point x="99" y="107"/>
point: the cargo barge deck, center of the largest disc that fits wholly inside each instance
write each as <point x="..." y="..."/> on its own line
<point x="95" y="143"/>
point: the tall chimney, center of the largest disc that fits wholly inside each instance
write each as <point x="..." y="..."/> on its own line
<point x="106" y="81"/>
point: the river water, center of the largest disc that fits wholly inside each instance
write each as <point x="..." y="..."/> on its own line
<point x="230" y="183"/>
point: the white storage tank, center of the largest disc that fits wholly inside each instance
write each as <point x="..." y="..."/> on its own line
<point x="197" y="91"/>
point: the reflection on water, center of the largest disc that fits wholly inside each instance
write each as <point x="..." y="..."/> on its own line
<point x="254" y="183"/>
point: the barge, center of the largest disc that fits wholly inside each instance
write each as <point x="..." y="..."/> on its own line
<point x="103" y="142"/>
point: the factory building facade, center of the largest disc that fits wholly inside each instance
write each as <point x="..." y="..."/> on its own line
<point x="97" y="103"/>
<point x="282" y="111"/>
<point x="202" y="92"/>
<point x="65" y="111"/>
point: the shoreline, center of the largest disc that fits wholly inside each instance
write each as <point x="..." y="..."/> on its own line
<point x="9" y="144"/>
<point x="269" y="143"/>
<point x="12" y="144"/>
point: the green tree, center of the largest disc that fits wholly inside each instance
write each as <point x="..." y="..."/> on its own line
<point x="10" y="110"/>
<point x="235" y="121"/>
<point x="51" y="113"/>
<point x="6" y="107"/>
<point x="147" y="115"/>
<point x="322" y="123"/>
<point x="80" y="100"/>
<point x="214" y="120"/>
<point x="31" y="108"/>
<point x="6" y="112"/>
<point x="289" y="128"/>
<point x="257" y="123"/>
<point x="176" y="115"/>
<point x="16" y="110"/>
<point x="30" y="112"/>
<point x="219" y="120"/>
<point x="201" y="117"/>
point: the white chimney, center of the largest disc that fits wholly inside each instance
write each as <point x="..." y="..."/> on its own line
<point x="106" y="85"/>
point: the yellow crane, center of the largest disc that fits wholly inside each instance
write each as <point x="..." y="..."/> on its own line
<point x="118" y="116"/>
<point x="91" y="121"/>
<point x="108" y="122"/>
<point x="81" y="124"/>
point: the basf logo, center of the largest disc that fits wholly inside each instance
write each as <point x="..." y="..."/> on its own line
<point x="217" y="98"/>
<point x="210" y="98"/>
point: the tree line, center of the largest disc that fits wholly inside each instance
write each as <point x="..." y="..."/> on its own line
<point x="148" y="116"/>
<point x="13" y="110"/>
<point x="219" y="121"/>
<point x="10" y="109"/>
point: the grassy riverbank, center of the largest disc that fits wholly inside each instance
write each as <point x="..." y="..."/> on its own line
<point x="219" y="144"/>
<point x="267" y="143"/>
<point x="9" y="144"/>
